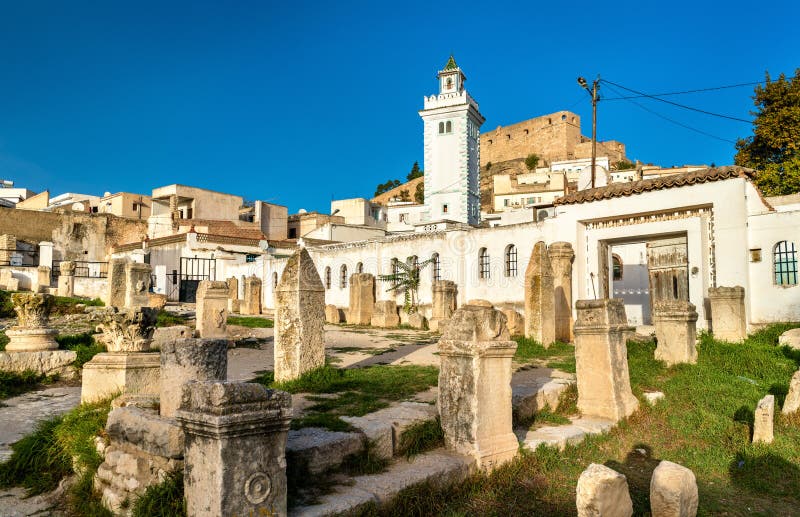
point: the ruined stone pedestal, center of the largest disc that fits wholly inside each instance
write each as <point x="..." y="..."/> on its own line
<point x="233" y="294"/>
<point x="211" y="309"/>
<point x="676" y="331"/>
<point x="539" y="297"/>
<point x="362" y="299"/>
<point x="110" y="374"/>
<point x="251" y="303"/>
<point x="187" y="360"/>
<point x="475" y="386"/>
<point x="673" y="491"/>
<point x="7" y="280"/>
<point x="601" y="360"/>
<point x="137" y="284"/>
<point x="235" y="449"/>
<point x="66" y="278"/>
<point x="385" y="314"/>
<point x="561" y="256"/>
<point x="31" y="334"/>
<point x="115" y="296"/>
<point x="728" y="317"/>
<point x="43" y="279"/>
<point x="299" y="318"/>
<point x="49" y="362"/>
<point x="445" y="295"/>
<point x="515" y="322"/>
<point x="333" y="314"/>
<point x="763" y="420"/>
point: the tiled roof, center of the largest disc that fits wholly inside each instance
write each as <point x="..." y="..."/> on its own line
<point x="637" y="187"/>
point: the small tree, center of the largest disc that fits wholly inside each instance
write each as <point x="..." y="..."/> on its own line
<point x="624" y="165"/>
<point x="406" y="280"/>
<point x="404" y="195"/>
<point x="419" y="194"/>
<point x="415" y="172"/>
<point x="532" y="161"/>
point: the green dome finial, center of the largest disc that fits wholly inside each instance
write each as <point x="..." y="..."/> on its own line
<point x="451" y="63"/>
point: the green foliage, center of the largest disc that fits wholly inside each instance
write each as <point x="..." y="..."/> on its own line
<point x="421" y="437"/>
<point x="168" y="319"/>
<point x="6" y="307"/>
<point x="15" y="383"/>
<point x="251" y="322"/>
<point x="3" y="341"/>
<point x="386" y="187"/>
<point x="624" y="165"/>
<point x="83" y="344"/>
<point x="84" y="501"/>
<point x="404" y="195"/>
<point x="415" y="172"/>
<point x="488" y="165"/>
<point x="558" y="355"/>
<point x="407" y="280"/>
<point x="774" y="147"/>
<point x="532" y="161"/>
<point x="69" y="305"/>
<point x="163" y="500"/>
<point x="419" y="193"/>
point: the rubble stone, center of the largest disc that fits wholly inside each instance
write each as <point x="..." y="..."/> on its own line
<point x="603" y="492"/>
<point x="673" y="491"/>
<point x="792" y="402"/>
<point x="763" y="420"/>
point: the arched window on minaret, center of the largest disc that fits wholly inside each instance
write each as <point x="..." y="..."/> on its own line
<point x="441" y="127"/>
<point x="448" y="127"/>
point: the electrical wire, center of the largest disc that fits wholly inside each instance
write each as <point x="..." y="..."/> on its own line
<point x="675" y="121"/>
<point x="683" y="92"/>
<point x="677" y="104"/>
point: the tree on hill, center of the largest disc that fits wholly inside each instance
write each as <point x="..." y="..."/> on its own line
<point x="774" y="148"/>
<point x="386" y="187"/>
<point x="531" y="161"/>
<point x="415" y="172"/>
<point x="419" y="194"/>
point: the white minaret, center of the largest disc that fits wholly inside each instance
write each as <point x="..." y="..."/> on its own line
<point x="452" y="150"/>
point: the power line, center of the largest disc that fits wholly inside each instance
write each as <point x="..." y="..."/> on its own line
<point x="677" y="104"/>
<point x="659" y="115"/>
<point x="683" y="92"/>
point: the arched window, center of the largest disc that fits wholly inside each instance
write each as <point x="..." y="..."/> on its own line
<point x="616" y="267"/>
<point x="785" y="260"/>
<point x="483" y="263"/>
<point x="360" y="267"/>
<point x="441" y="128"/>
<point x="448" y="128"/>
<point x="511" y="260"/>
<point x="327" y="277"/>
<point x="436" y="269"/>
<point x="343" y="276"/>
<point x="274" y="280"/>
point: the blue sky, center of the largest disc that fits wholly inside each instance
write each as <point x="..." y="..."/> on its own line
<point x="300" y="102"/>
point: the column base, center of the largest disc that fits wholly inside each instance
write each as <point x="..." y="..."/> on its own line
<point x="31" y="340"/>
<point x="111" y="374"/>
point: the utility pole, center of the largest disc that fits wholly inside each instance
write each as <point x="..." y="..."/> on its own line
<point x="595" y="97"/>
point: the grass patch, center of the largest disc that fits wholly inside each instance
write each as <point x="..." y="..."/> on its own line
<point x="6" y="307"/>
<point x="421" y="437"/>
<point x="529" y="350"/>
<point x="3" y="341"/>
<point x="703" y="423"/>
<point x="169" y="319"/>
<point x="358" y="390"/>
<point x="83" y="344"/>
<point x="251" y="322"/>
<point x="15" y="383"/>
<point x="69" y="305"/>
<point x="163" y="500"/>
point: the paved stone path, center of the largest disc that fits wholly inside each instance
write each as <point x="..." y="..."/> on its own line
<point x="19" y="415"/>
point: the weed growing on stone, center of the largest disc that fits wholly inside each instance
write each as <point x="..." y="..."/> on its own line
<point x="420" y="438"/>
<point x="168" y="319"/>
<point x="251" y="322"/>
<point x="15" y="383"/>
<point x="162" y="500"/>
<point x="3" y="341"/>
<point x="83" y="344"/>
<point x="701" y="424"/>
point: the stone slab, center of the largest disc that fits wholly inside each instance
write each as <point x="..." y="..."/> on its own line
<point x="380" y="434"/>
<point x="402" y="416"/>
<point x="592" y="425"/>
<point x="50" y="362"/>
<point x="552" y="436"/>
<point x="314" y="450"/>
<point x="147" y="431"/>
<point x="533" y="389"/>
<point x="109" y="374"/>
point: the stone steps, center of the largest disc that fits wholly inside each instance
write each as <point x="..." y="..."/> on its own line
<point x="438" y="466"/>
<point x="559" y="436"/>
<point x="534" y="388"/>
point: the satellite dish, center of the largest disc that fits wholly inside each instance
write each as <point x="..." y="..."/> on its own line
<point x="585" y="177"/>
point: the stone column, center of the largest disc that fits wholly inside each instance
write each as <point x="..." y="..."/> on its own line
<point x="299" y="318"/>
<point x="66" y="278"/>
<point x="475" y="386"/>
<point x="211" y="309"/>
<point x="763" y="420"/>
<point x="601" y="360"/>
<point x="445" y="294"/>
<point x="43" y="279"/>
<point x="251" y="303"/>
<point x="234" y="457"/>
<point x="32" y="334"/>
<point x="561" y="256"/>
<point x="676" y="331"/>
<point x="385" y="314"/>
<point x="233" y="295"/>
<point x="362" y="299"/>
<point x="128" y="366"/>
<point x="539" y="297"/>
<point x="728" y="317"/>
<point x="137" y="284"/>
<point x="46" y="254"/>
<point x="189" y="359"/>
<point x="116" y="283"/>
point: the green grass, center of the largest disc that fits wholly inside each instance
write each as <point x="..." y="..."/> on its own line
<point x="6" y="307"/>
<point x="358" y="391"/>
<point x="163" y="500"/>
<point x="560" y="355"/>
<point x="168" y="319"/>
<point x="16" y="383"/>
<point x="68" y="305"/>
<point x="250" y="322"/>
<point x="704" y="423"/>
<point x="83" y="344"/>
<point x="3" y="341"/>
<point x="421" y="437"/>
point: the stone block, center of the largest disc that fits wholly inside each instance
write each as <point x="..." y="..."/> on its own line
<point x="790" y="338"/>
<point x="728" y="317"/>
<point x="676" y="331"/>
<point x="31" y="340"/>
<point x="475" y="386"/>
<point x="251" y="303"/>
<point x="379" y="434"/>
<point x="50" y="362"/>
<point x="417" y="321"/>
<point x="315" y="451"/>
<point x="673" y="491"/>
<point x="653" y="397"/>
<point x="362" y="298"/>
<point x="515" y="322"/>
<point x="186" y="360"/>
<point x="385" y="314"/>
<point x="539" y="297"/>
<point x="211" y="309"/>
<point x="792" y="402"/>
<point x="332" y="314"/>
<point x="43" y="279"/>
<point x="111" y="374"/>
<point x="147" y="431"/>
<point x="603" y="492"/>
<point x="165" y="334"/>
<point x="763" y="420"/>
<point x="137" y="284"/>
<point x="445" y="296"/>
<point x="561" y="256"/>
<point x="116" y="283"/>
<point x="553" y="436"/>
<point x="66" y="284"/>
<point x="402" y="416"/>
<point x="604" y="388"/>
<point x="156" y="301"/>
